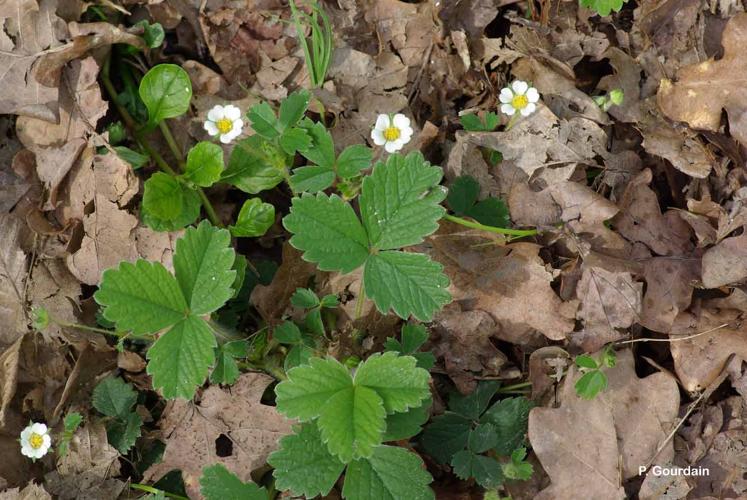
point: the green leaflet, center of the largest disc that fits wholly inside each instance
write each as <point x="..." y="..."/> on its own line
<point x="123" y="433"/>
<point x="407" y="424"/>
<point x="303" y="465"/>
<point x="486" y="470"/>
<point x="463" y="201"/>
<point x="114" y="397"/>
<point x="145" y="298"/>
<point x="204" y="164"/>
<point x="329" y="232"/>
<point x="168" y="204"/>
<point x="255" y="165"/>
<point x="390" y="473"/>
<point x="281" y="130"/>
<point x="255" y="218"/>
<point x="603" y="7"/>
<point x="166" y="91"/>
<point x="218" y="483"/>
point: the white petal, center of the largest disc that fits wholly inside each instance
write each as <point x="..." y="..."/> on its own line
<point x="507" y="109"/>
<point x="401" y="121"/>
<point x="215" y="113"/>
<point x="232" y="112"/>
<point x="226" y="138"/>
<point x="237" y="126"/>
<point x="378" y="137"/>
<point x="27" y="451"/>
<point x="529" y="109"/>
<point x="25" y="434"/>
<point x="211" y="128"/>
<point x="519" y="87"/>
<point x="38" y="453"/>
<point x="382" y="122"/>
<point x="506" y="95"/>
<point x="46" y="441"/>
<point x="532" y="95"/>
<point x="233" y="134"/>
<point x="399" y="144"/>
<point x="391" y="147"/>
<point x="39" y="428"/>
<point x="404" y="138"/>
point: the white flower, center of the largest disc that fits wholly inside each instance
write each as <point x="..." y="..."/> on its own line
<point x="35" y="441"/>
<point x="392" y="132"/>
<point x="519" y="96"/>
<point x="224" y="120"/>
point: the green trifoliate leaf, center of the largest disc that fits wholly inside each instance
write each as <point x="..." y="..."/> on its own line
<point x="142" y="297"/>
<point x="486" y="470"/>
<point x="166" y="91"/>
<point x="255" y="218"/>
<point x="114" y="397"/>
<point x="482" y="438"/>
<point x="168" y="205"/>
<point x="322" y="149"/>
<point x="590" y="384"/>
<point x="309" y="387"/>
<point x="473" y="405"/>
<point x="353" y="422"/>
<point x="218" y="483"/>
<point x="204" y="164"/>
<point x="70" y="423"/>
<point x="401" y="201"/>
<point x="391" y="473"/>
<point x="329" y="233"/>
<point x="135" y="159"/>
<point x="463" y="194"/>
<point x="304" y="298"/>
<point x="312" y="179"/>
<point x="303" y="465"/>
<point x="122" y="433"/>
<point x="287" y="333"/>
<point x="298" y="355"/>
<point x="396" y="379"/>
<point x="294" y="107"/>
<point x="203" y="263"/>
<point x="329" y="301"/>
<point x="474" y="123"/>
<point x="446" y="435"/>
<point x="180" y="359"/>
<point x="491" y="212"/>
<point x="407" y="424"/>
<point x="411" y="284"/>
<point x="586" y="361"/>
<point x="603" y="7"/>
<point x="509" y="417"/>
<point x="153" y="34"/>
<point x="518" y="468"/>
<point x="352" y="160"/>
<point x="255" y="165"/>
<point x="413" y="337"/>
<point x="293" y="140"/>
<point x="263" y="120"/>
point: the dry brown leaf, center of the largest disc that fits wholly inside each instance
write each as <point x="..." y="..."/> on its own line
<point x="408" y="27"/>
<point x="700" y="360"/>
<point x="640" y="220"/>
<point x="610" y="301"/>
<point x="669" y="289"/>
<point x="580" y="444"/>
<point x="659" y="487"/>
<point x="725" y="263"/>
<point x="703" y="90"/>
<point x="8" y="379"/>
<point x="86" y="471"/>
<point x="12" y="281"/>
<point x="30" y="29"/>
<point x="191" y="431"/>
<point x="56" y="290"/>
<point x="511" y="283"/>
<point x="683" y="150"/>
<point x="32" y="491"/>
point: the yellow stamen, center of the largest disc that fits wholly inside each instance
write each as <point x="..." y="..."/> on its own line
<point x="519" y="101"/>
<point x="224" y="125"/>
<point x="391" y="133"/>
<point x="36" y="440"/>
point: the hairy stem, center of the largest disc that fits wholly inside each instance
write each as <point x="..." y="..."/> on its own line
<point x="519" y="233"/>
<point x="155" y="491"/>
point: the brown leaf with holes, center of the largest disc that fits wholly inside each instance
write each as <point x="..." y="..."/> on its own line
<point x="250" y="429"/>
<point x="701" y="91"/>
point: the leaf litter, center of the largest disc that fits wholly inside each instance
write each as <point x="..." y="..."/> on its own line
<point x="640" y="210"/>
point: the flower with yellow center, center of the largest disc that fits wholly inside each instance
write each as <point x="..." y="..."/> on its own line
<point x="519" y="96"/>
<point x="35" y="441"/>
<point x="224" y="121"/>
<point x="392" y="132"/>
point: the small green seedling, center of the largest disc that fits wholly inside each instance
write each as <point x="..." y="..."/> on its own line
<point x="317" y="49"/>
<point x="307" y="299"/>
<point x="602" y="7"/>
<point x="488" y="123"/>
<point x="593" y="380"/>
<point x="471" y="428"/>
<point x="344" y="420"/>
<point x="412" y="339"/>
<point x="614" y="98"/>
<point x="70" y="424"/>
<point x="116" y="399"/>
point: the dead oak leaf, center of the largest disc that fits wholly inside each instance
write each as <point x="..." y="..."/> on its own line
<point x="702" y="90"/>
<point x="610" y="301"/>
<point x="669" y="290"/>
<point x="510" y="283"/>
<point x="30" y="29"/>
<point x="235" y="413"/>
<point x="726" y="262"/>
<point x="12" y="280"/>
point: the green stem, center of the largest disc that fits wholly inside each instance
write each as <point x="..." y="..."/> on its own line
<point x="65" y="324"/>
<point x="513" y="387"/>
<point x="173" y="146"/>
<point x="155" y="491"/>
<point x="360" y="300"/>
<point x="520" y="233"/>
